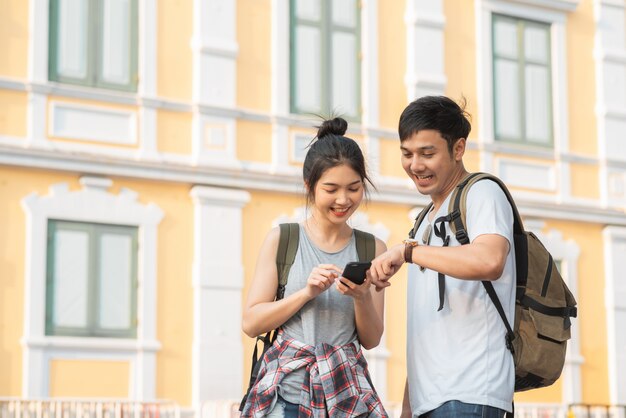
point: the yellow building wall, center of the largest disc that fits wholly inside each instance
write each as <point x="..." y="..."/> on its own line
<point x="581" y="81"/>
<point x="13" y="111"/>
<point x="174" y="295"/>
<point x="174" y="54"/>
<point x="460" y="56"/>
<point x="254" y="141"/>
<point x="254" y="66"/>
<point x="390" y="164"/>
<point x="90" y="379"/>
<point x="14" y="32"/>
<point x="391" y="62"/>
<point x="174" y="132"/>
<point x="584" y="180"/>
<point x="174" y="290"/>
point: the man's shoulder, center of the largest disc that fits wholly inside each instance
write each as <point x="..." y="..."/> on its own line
<point x="486" y="189"/>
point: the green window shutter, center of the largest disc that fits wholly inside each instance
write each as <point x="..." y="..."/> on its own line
<point x="522" y="86"/>
<point x="94" y="43"/>
<point x="325" y="58"/>
<point x="69" y="41"/>
<point x="308" y="79"/>
<point x="345" y="62"/>
<point x="117" y="45"/>
<point x="91" y="288"/>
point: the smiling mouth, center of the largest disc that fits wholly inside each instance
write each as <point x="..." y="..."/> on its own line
<point x="424" y="177"/>
<point x="340" y="211"/>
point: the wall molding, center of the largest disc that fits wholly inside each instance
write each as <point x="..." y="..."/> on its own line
<point x="264" y="177"/>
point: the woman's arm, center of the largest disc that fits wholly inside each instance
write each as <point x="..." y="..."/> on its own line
<point x="261" y="313"/>
<point x="369" y="306"/>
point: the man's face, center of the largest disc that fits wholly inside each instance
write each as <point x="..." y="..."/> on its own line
<point x="427" y="161"/>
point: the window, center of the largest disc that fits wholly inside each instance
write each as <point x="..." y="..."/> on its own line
<point x="522" y="81"/>
<point x="325" y="57"/>
<point x="94" y="43"/>
<point x="91" y="281"/>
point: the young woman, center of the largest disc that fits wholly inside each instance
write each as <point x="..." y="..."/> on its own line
<point x="316" y="367"/>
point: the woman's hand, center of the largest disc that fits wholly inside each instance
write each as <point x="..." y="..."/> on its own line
<point x="320" y="279"/>
<point x="355" y="291"/>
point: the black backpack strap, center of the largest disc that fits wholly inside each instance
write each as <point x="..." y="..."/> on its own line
<point x="510" y="335"/>
<point x="418" y="220"/>
<point x="458" y="211"/>
<point x="365" y="245"/>
<point x="286" y="254"/>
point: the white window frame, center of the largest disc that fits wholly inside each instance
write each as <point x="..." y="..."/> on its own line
<point x="92" y="204"/>
<point x="552" y="12"/>
<point x="40" y="86"/>
<point x="281" y="78"/>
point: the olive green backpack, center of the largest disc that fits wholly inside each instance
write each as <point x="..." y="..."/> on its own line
<point x="285" y="256"/>
<point x="543" y="303"/>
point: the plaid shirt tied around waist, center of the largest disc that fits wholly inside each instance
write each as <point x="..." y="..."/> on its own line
<point x="336" y="382"/>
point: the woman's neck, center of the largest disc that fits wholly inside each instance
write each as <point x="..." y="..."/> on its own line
<point x="327" y="235"/>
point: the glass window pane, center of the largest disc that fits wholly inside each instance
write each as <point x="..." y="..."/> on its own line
<point x="70" y="276"/>
<point x="116" y="42"/>
<point x="344" y="13"/>
<point x="507" y="100"/>
<point x="72" y="38"/>
<point x="538" y="113"/>
<point x="115" y="281"/>
<point x="505" y="37"/>
<point x="308" y="9"/>
<point x="308" y="85"/>
<point x="536" y="44"/>
<point x="345" y="74"/>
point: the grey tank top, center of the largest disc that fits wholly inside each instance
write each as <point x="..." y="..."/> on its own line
<point x="329" y="318"/>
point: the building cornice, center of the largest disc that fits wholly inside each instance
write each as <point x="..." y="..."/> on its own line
<point x="262" y="177"/>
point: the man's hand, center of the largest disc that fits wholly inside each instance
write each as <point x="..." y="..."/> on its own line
<point x="386" y="265"/>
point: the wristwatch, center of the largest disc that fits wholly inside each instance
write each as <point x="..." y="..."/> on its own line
<point x="409" y="244"/>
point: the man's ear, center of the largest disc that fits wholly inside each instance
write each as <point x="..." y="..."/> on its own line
<point x="458" y="150"/>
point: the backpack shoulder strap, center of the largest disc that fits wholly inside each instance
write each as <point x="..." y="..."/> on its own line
<point x="286" y="254"/>
<point x="457" y="208"/>
<point x="365" y="245"/>
<point x="418" y="220"/>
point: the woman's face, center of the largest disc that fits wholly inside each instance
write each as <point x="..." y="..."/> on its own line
<point x="338" y="193"/>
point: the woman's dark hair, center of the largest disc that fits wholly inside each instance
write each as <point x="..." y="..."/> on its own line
<point x="329" y="149"/>
<point x="439" y="113"/>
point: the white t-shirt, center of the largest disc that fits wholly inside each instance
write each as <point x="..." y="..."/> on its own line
<point x="459" y="353"/>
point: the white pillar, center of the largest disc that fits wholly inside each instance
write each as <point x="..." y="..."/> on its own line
<point x="425" y="23"/>
<point x="217" y="283"/>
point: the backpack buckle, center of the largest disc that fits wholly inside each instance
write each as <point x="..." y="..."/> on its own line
<point x="461" y="236"/>
<point x="509" y="337"/>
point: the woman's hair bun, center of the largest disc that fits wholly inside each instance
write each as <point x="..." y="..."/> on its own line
<point x="335" y="126"/>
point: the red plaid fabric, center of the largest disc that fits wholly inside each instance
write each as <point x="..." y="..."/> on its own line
<point x="336" y="383"/>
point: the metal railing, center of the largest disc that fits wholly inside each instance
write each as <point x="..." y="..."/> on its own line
<point x="86" y="408"/>
<point x="597" y="411"/>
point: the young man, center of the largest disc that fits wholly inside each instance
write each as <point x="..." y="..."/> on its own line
<point x="458" y="363"/>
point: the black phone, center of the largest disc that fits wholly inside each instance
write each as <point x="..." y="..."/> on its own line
<point x="355" y="271"/>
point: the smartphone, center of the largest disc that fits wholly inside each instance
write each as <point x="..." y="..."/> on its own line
<point x="355" y="271"/>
